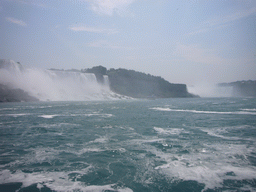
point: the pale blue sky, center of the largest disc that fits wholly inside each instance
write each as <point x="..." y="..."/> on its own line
<point x="183" y="41"/>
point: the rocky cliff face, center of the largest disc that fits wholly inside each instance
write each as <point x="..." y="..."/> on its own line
<point x="139" y="85"/>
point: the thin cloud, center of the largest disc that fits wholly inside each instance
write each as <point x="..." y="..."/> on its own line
<point x="92" y="29"/>
<point x="106" y="44"/>
<point x="16" y="21"/>
<point x="108" y="7"/>
<point x="233" y="17"/>
<point x="36" y="3"/>
<point x="194" y="53"/>
<point x="224" y="20"/>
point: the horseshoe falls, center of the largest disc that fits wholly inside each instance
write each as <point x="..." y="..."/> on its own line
<point x="184" y="145"/>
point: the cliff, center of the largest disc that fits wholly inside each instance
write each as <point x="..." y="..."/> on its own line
<point x="139" y="85"/>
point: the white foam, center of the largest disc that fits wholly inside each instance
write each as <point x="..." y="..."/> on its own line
<point x="103" y="139"/>
<point x="48" y="116"/>
<point x="211" y="176"/>
<point x="122" y="150"/>
<point x="54" y="125"/>
<point x="206" y="112"/>
<point x="108" y="127"/>
<point x="57" y="181"/>
<point x="112" y="187"/>
<point x="161" y="109"/>
<point x="217" y="133"/>
<point x="15" y="115"/>
<point x="87" y="150"/>
<point x="25" y="178"/>
<point x="3" y="109"/>
<point x="99" y="114"/>
<point x="43" y="107"/>
<point x="249" y="109"/>
<point x="221" y="131"/>
<point x="105" y="115"/>
<point x="209" y="165"/>
<point x="170" y="131"/>
<point x="48" y="154"/>
<point x="40" y="155"/>
<point x="146" y="140"/>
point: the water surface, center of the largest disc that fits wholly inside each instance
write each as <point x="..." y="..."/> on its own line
<point x="202" y="144"/>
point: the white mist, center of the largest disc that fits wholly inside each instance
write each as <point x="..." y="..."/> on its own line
<point x="205" y="89"/>
<point x="54" y="85"/>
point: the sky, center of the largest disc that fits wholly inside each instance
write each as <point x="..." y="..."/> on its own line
<point x="183" y="41"/>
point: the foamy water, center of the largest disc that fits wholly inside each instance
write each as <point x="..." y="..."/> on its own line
<point x="157" y="145"/>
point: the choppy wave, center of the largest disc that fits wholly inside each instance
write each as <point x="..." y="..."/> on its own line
<point x="15" y="114"/>
<point x="128" y="146"/>
<point x="243" y="112"/>
<point x="57" y="181"/>
<point x="48" y="116"/>
<point x="210" y="163"/>
<point x="170" y="131"/>
<point x="248" y="109"/>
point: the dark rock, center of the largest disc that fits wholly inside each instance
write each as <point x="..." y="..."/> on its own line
<point x="14" y="95"/>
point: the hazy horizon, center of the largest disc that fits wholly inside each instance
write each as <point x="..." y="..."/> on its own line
<point x="195" y="43"/>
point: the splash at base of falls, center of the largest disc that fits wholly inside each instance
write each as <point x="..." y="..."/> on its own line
<point x="55" y="85"/>
<point x="210" y="90"/>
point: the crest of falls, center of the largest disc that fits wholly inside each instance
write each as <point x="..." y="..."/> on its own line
<point x="54" y="85"/>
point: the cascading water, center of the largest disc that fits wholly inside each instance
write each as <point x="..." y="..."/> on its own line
<point x="54" y="85"/>
<point x="106" y="80"/>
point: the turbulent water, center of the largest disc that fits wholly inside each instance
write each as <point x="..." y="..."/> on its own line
<point x="202" y="144"/>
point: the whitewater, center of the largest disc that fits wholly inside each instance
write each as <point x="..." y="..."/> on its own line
<point x="55" y="85"/>
<point x="189" y="144"/>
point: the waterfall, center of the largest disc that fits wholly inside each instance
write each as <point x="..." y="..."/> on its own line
<point x="106" y="80"/>
<point x="54" y="85"/>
